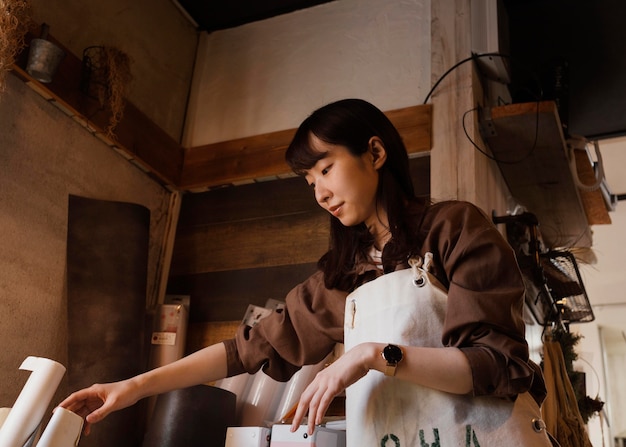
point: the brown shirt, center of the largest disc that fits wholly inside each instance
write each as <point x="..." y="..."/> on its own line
<point x="484" y="316"/>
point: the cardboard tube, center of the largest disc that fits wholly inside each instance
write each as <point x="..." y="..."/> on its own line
<point x="63" y="430"/>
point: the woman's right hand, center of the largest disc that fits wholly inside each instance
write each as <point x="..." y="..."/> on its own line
<point x="99" y="400"/>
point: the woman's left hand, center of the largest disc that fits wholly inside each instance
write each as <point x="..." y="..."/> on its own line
<point x="331" y="381"/>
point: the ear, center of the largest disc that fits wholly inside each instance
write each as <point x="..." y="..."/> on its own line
<point x="377" y="151"/>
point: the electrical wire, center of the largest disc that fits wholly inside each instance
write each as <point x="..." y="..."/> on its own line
<point x="474" y="57"/>
<point x="448" y="71"/>
<point x="491" y="157"/>
<point x="483" y="151"/>
<point x="476" y="146"/>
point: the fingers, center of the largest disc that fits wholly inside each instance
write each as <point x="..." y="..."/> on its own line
<point x="322" y="406"/>
<point x="97" y="415"/>
<point x="314" y="413"/>
<point x="90" y="404"/>
<point x="73" y="402"/>
<point x="300" y="413"/>
<point x="86" y="428"/>
<point x="315" y="400"/>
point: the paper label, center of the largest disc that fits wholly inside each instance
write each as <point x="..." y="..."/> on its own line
<point x="170" y="318"/>
<point x="164" y="338"/>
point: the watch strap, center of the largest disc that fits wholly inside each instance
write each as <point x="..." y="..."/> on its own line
<point x="392" y="355"/>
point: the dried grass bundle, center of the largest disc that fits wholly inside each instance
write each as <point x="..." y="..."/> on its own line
<point x="118" y="78"/>
<point x="15" y="20"/>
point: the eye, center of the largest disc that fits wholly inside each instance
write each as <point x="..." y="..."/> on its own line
<point x="326" y="169"/>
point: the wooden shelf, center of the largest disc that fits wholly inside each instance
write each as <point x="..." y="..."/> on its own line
<point x="528" y="144"/>
<point x="136" y="137"/>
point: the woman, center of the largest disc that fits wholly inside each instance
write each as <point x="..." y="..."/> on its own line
<point x="357" y="166"/>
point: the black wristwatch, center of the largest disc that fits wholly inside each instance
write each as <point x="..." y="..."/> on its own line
<point x="393" y="355"/>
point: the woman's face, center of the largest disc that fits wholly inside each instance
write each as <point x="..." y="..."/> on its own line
<point x="345" y="185"/>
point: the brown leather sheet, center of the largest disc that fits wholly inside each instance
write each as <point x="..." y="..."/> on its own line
<point x="107" y="258"/>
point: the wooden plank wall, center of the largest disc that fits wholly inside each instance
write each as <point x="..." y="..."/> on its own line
<point x="243" y="245"/>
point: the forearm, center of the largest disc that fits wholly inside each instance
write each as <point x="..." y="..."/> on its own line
<point x="444" y="369"/>
<point x="205" y="365"/>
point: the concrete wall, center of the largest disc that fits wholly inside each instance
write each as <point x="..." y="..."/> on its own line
<point x="44" y="157"/>
<point x="269" y="75"/>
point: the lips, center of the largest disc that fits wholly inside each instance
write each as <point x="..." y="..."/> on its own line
<point x="335" y="210"/>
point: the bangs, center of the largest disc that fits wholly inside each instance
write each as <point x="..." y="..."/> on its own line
<point x="301" y="155"/>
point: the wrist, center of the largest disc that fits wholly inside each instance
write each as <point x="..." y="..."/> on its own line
<point x="392" y="355"/>
<point x="372" y="358"/>
<point x="139" y="386"/>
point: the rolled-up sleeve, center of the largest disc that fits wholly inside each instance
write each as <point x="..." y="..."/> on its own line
<point x="302" y="333"/>
<point x="485" y="301"/>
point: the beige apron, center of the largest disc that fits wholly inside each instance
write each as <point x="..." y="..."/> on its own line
<point x="408" y="307"/>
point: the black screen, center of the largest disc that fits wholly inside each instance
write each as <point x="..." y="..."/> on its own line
<point x="573" y="52"/>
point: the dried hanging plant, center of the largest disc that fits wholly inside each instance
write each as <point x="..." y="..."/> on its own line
<point x="587" y="406"/>
<point x="117" y="65"/>
<point x="105" y="77"/>
<point x="15" y="20"/>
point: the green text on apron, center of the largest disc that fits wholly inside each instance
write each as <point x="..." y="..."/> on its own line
<point x="406" y="308"/>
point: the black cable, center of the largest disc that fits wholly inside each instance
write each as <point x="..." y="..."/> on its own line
<point x="450" y="70"/>
<point x="491" y="157"/>
<point x="474" y="57"/>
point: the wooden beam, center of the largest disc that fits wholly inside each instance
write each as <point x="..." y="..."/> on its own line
<point x="260" y="156"/>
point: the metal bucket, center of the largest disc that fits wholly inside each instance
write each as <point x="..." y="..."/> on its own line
<point x="44" y="58"/>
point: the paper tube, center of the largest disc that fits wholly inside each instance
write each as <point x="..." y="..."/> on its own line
<point x="169" y="335"/>
<point x="294" y="389"/>
<point x="63" y="430"/>
<point x="168" y="340"/>
<point x="33" y="401"/>
<point x="4" y="412"/>
<point x="260" y="401"/>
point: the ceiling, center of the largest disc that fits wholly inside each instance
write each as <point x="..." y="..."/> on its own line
<point x="210" y="15"/>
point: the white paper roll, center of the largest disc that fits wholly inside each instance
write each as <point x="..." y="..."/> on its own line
<point x="169" y="338"/>
<point x="294" y="389"/>
<point x="260" y="401"/>
<point x="63" y="430"/>
<point x="33" y="401"/>
<point x="170" y="335"/>
<point x="4" y="412"/>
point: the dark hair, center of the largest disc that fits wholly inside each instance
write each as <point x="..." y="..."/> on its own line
<point x="352" y="123"/>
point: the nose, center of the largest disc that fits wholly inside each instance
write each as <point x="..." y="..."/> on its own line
<point x="322" y="193"/>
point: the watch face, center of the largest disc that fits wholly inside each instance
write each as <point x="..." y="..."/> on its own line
<point x="392" y="353"/>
